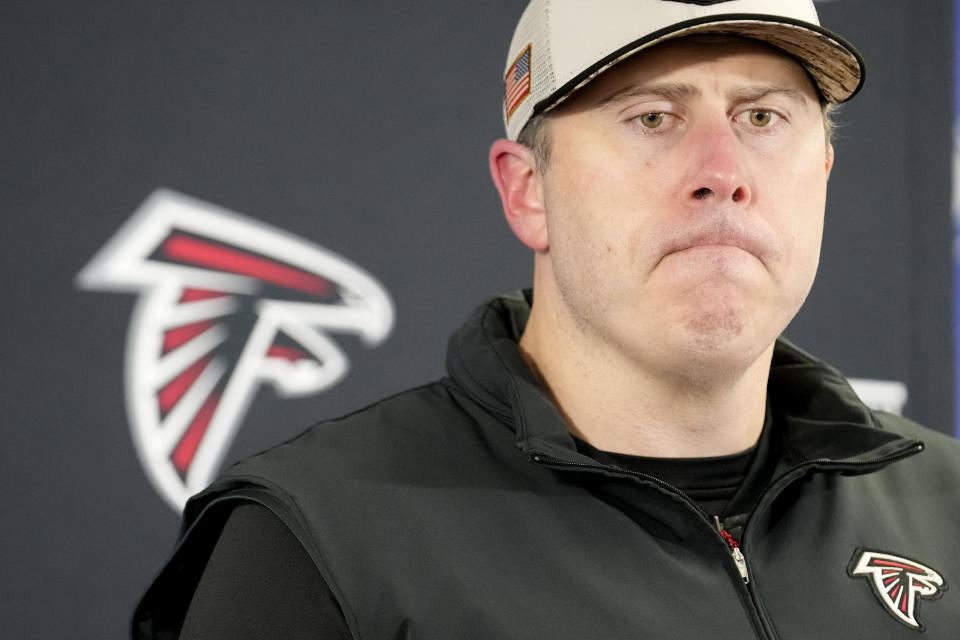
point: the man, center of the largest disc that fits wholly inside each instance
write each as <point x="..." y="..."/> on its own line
<point x="626" y="451"/>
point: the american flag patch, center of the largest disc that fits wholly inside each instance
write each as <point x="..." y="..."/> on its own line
<point x="517" y="84"/>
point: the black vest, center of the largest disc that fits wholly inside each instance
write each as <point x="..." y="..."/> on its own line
<point x="462" y="509"/>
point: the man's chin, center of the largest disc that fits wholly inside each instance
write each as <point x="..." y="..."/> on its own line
<point x="720" y="338"/>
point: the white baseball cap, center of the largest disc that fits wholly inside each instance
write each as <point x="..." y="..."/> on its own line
<point x="561" y="45"/>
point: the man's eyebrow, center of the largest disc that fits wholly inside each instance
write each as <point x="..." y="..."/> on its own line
<point x="677" y="90"/>
<point x="667" y="91"/>
<point x="758" y="92"/>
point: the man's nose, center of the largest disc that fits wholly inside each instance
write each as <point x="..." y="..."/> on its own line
<point x="716" y="171"/>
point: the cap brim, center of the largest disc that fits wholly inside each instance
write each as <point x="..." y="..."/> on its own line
<point x="835" y="65"/>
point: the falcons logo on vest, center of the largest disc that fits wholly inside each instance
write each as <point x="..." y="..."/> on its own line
<point x="898" y="583"/>
<point x="226" y="304"/>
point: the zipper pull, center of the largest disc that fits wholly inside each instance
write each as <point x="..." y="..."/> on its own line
<point x="738" y="558"/>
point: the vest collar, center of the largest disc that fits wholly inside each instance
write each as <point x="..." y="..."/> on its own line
<point x="823" y="419"/>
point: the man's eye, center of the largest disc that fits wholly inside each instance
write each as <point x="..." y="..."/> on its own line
<point x="651" y="120"/>
<point x="760" y="117"/>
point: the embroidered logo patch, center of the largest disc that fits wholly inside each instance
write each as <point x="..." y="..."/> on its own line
<point x="898" y="583"/>
<point x="517" y="83"/>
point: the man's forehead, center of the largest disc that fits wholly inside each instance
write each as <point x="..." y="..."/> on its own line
<point x="758" y="69"/>
<point x="678" y="91"/>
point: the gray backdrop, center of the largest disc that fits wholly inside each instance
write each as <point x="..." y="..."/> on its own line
<point x="362" y="127"/>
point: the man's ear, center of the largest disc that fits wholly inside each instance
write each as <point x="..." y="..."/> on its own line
<point x="829" y="159"/>
<point x="515" y="175"/>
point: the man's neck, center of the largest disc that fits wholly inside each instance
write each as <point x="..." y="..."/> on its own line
<point x="618" y="405"/>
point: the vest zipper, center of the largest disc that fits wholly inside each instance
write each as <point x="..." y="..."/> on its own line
<point x="738" y="558"/>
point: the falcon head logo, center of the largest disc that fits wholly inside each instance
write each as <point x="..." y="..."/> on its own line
<point x="226" y="304"/>
<point x="898" y="583"/>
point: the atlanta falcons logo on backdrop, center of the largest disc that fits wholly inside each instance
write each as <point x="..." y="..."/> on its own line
<point x="898" y="583"/>
<point x="227" y="304"/>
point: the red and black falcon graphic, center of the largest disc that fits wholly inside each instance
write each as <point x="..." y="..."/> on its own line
<point x="226" y="304"/>
<point x="898" y="583"/>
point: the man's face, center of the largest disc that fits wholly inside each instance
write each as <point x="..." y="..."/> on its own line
<point x="684" y="201"/>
